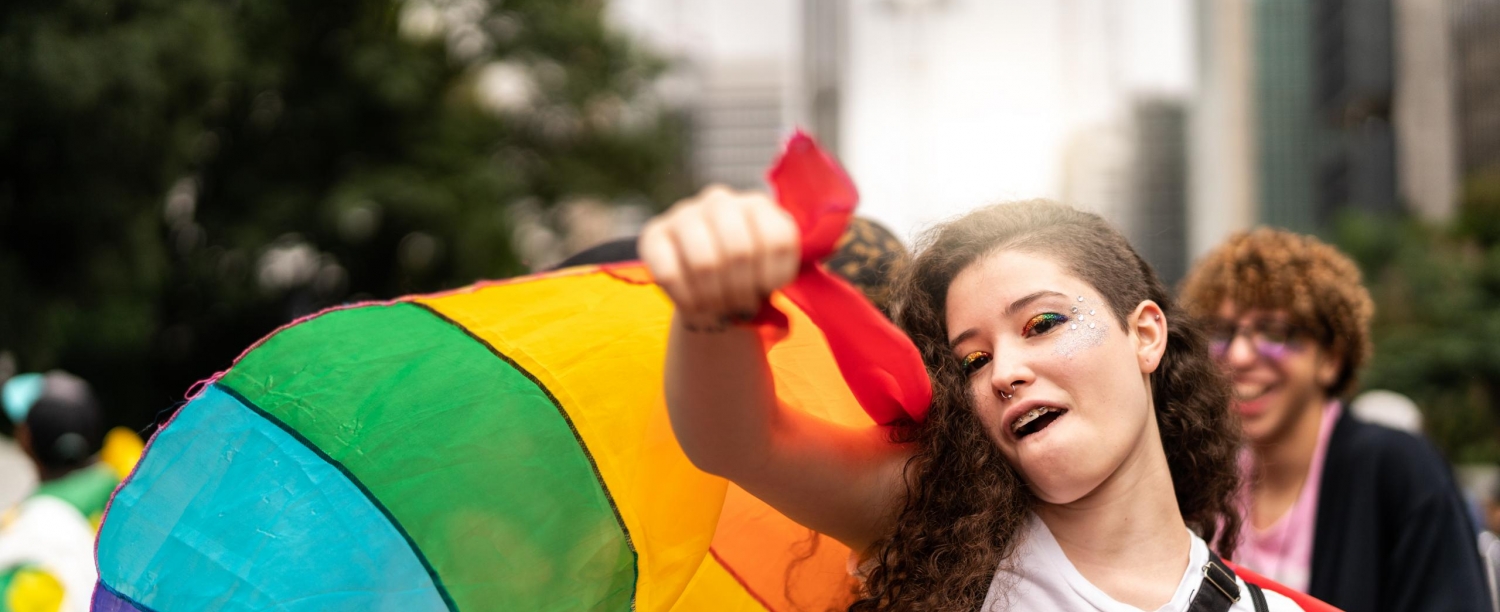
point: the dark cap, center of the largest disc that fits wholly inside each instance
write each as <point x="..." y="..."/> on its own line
<point x="66" y="422"/>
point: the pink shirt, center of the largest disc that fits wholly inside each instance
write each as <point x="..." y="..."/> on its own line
<point x="1283" y="551"/>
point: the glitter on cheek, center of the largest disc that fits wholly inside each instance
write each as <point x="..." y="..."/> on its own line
<point x="1084" y="334"/>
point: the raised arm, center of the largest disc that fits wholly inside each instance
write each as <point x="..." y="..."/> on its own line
<point x="717" y="256"/>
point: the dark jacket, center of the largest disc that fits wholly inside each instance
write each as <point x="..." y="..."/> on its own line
<point x="1392" y="534"/>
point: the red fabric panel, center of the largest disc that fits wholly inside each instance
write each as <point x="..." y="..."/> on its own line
<point x="879" y="363"/>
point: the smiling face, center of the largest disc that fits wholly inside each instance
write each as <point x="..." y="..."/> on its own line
<point x="1278" y="372"/>
<point x="1059" y="386"/>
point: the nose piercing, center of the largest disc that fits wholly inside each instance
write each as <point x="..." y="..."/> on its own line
<point x="1011" y="395"/>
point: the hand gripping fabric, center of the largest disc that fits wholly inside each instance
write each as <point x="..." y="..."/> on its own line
<point x="502" y="446"/>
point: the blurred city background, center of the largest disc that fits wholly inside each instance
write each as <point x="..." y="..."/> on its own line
<point x="180" y="177"/>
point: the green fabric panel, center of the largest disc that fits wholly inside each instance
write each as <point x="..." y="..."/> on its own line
<point x="7" y="576"/>
<point x="86" y="489"/>
<point x="470" y="456"/>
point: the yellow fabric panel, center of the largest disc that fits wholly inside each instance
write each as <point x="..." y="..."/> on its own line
<point x="33" y="590"/>
<point x="598" y="345"/>
<point x="807" y="377"/>
<point x="714" y="589"/>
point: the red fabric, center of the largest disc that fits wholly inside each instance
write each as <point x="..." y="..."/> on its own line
<point x="1308" y="602"/>
<point x="879" y="363"/>
<point x="817" y="193"/>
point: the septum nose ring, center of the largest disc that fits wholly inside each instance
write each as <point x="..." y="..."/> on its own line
<point x="1011" y="395"/>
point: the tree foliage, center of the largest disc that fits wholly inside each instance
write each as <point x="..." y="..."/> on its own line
<point x="178" y="177"/>
<point x="1437" y="323"/>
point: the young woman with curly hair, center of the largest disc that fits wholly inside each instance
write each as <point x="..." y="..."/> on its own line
<point x="1363" y="517"/>
<point x="1078" y="453"/>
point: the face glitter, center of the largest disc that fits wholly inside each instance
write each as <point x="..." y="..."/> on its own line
<point x="1079" y="336"/>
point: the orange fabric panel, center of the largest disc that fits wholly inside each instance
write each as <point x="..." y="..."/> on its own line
<point x="785" y="565"/>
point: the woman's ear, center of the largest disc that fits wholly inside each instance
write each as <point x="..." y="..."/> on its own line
<point x="1149" y="330"/>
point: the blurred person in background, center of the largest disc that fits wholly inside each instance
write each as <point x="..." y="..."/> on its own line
<point x="1489" y="542"/>
<point x="1388" y="408"/>
<point x="47" y="541"/>
<point x="1359" y="515"/>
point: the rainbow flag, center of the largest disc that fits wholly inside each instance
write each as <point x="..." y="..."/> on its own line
<point x="499" y="447"/>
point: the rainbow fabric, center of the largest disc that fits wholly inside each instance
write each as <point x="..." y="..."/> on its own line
<point x="501" y="447"/>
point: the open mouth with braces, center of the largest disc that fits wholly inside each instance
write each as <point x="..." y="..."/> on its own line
<point x="1035" y="420"/>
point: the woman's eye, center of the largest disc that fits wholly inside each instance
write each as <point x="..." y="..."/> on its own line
<point x="975" y="360"/>
<point x="1043" y="323"/>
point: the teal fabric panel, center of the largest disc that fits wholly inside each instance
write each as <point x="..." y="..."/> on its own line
<point x="228" y="511"/>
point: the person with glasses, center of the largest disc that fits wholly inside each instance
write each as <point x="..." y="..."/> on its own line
<point x="1360" y="516"/>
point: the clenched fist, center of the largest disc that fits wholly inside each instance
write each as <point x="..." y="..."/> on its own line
<point x="720" y="254"/>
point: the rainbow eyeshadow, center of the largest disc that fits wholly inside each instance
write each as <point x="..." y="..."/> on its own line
<point x="972" y="361"/>
<point x="1046" y="317"/>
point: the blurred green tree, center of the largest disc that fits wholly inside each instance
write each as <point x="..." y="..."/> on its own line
<point x="1437" y="320"/>
<point x="178" y="177"/>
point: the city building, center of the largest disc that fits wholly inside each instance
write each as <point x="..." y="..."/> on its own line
<point x="1476" y="24"/>
<point x="939" y="106"/>
<point x="1308" y="108"/>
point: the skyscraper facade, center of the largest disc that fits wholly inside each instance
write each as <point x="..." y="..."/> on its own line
<point x="1310" y="83"/>
<point x="1476" y="39"/>
<point x="1323" y="90"/>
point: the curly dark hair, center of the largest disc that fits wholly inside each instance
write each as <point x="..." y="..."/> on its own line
<point x="1317" y="286"/>
<point x="965" y="505"/>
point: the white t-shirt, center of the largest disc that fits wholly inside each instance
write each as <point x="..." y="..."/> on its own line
<point x="56" y="538"/>
<point x="1040" y="577"/>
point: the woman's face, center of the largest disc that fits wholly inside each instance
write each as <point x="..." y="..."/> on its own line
<point x="1059" y="386"/>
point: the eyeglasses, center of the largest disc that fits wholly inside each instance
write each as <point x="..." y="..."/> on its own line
<point x="1270" y="339"/>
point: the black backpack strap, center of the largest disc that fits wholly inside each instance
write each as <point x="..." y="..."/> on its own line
<point x="1220" y="589"/>
<point x="1258" y="598"/>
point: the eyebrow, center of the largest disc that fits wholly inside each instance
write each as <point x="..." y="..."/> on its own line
<point x="1009" y="310"/>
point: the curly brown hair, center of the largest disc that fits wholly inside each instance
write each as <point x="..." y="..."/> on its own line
<point x="1272" y="270"/>
<point x="965" y="505"/>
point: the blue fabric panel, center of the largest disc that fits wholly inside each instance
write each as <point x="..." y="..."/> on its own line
<point x="227" y="511"/>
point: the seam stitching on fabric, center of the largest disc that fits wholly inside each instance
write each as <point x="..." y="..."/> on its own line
<point x="122" y="597"/>
<point x="635" y="565"/>
<point x="437" y="582"/>
<point x="737" y="578"/>
<point x="198" y="387"/>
